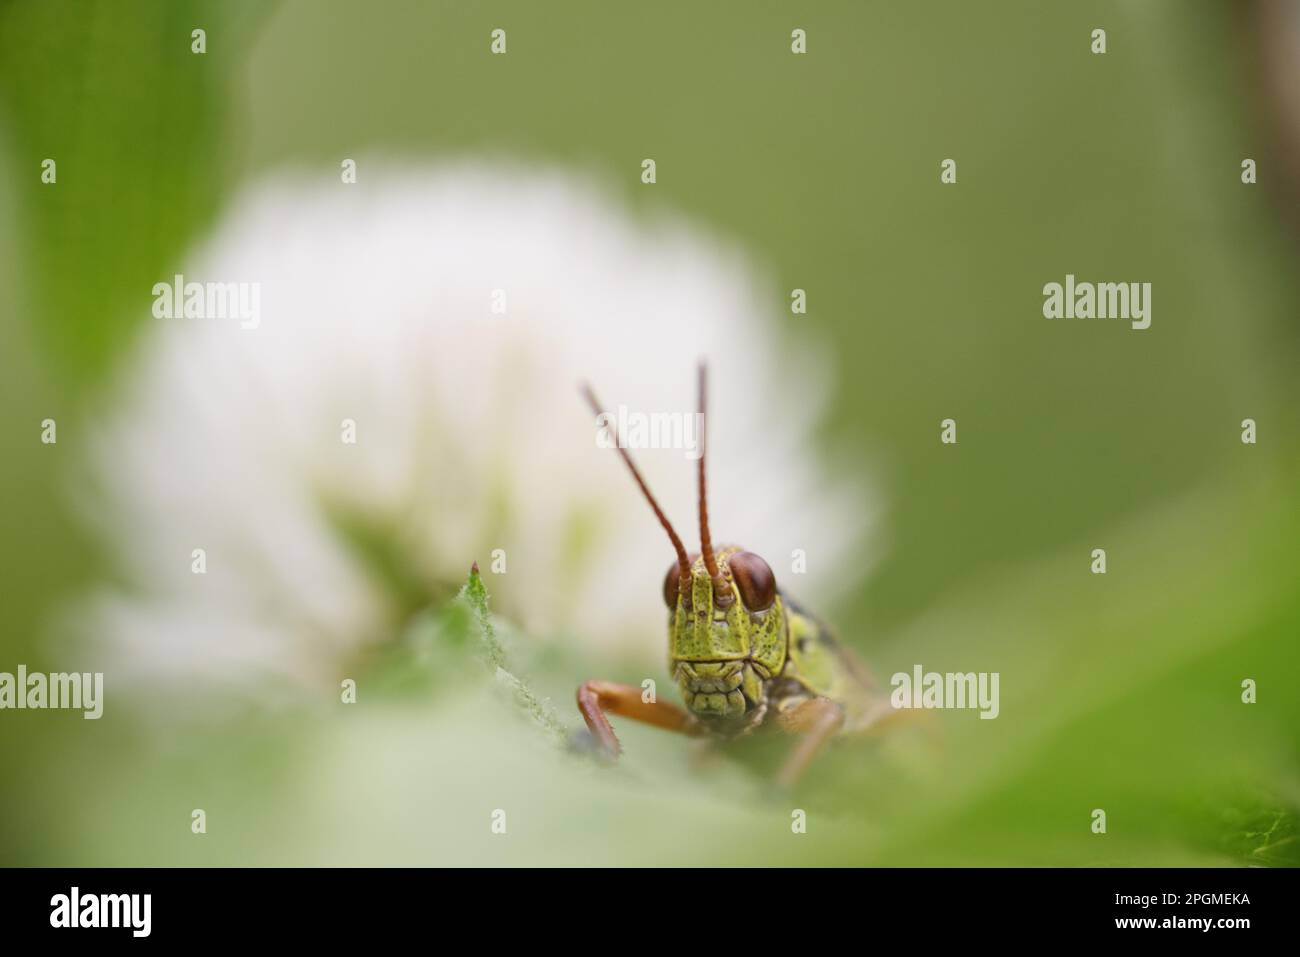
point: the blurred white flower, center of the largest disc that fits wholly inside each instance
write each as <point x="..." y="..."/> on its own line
<point x="376" y="306"/>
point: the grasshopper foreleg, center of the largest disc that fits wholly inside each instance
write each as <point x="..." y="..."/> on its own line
<point x="596" y="698"/>
<point x="817" y="720"/>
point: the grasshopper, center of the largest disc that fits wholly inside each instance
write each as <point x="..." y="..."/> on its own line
<point x="744" y="654"/>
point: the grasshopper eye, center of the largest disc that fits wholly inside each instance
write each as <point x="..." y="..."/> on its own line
<point x="673" y="582"/>
<point x="672" y="585"/>
<point x="755" y="580"/>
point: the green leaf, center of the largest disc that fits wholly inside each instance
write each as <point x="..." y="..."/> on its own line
<point x="538" y="709"/>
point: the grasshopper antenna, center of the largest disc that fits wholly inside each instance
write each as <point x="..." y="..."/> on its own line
<point x="721" y="594"/>
<point x="683" y="563"/>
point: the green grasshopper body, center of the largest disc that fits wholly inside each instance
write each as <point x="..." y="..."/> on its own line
<point x="743" y="654"/>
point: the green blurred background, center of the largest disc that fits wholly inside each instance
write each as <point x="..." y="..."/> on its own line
<point x="825" y="167"/>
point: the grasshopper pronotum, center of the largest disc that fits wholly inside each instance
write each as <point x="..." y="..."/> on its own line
<point x="743" y="652"/>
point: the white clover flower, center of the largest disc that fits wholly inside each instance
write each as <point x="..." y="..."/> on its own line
<point x="377" y="307"/>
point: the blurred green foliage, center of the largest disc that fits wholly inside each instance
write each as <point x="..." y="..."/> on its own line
<point x="1120" y="690"/>
<point x="141" y="131"/>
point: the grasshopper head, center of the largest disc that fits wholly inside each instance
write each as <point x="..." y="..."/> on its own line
<point x="723" y="646"/>
<point x="726" y="629"/>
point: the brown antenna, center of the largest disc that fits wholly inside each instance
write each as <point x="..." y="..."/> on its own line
<point x="683" y="563"/>
<point x="721" y="593"/>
